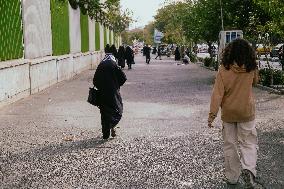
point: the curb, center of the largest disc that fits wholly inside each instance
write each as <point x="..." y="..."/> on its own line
<point x="208" y="68"/>
<point x="259" y="86"/>
<point x="271" y="90"/>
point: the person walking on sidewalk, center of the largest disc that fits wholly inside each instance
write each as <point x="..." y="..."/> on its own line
<point x="129" y="55"/>
<point x="108" y="79"/>
<point x="177" y="54"/>
<point x="121" y="56"/>
<point x="159" y="53"/>
<point x="113" y="51"/>
<point x="233" y="93"/>
<point x="148" y="54"/>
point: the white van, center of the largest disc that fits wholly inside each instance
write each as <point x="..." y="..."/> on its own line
<point x="226" y="37"/>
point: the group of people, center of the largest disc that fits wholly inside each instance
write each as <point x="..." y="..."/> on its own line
<point x="232" y="92"/>
<point x="122" y="55"/>
<point x="182" y="54"/>
<point x="147" y="53"/>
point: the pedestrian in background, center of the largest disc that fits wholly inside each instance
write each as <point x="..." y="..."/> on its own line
<point x="144" y="50"/>
<point x="148" y="54"/>
<point x="107" y="49"/>
<point x="113" y="51"/>
<point x="177" y="54"/>
<point x="129" y="55"/>
<point x="233" y="93"/>
<point x="281" y="56"/>
<point x="154" y="50"/>
<point x="182" y="49"/>
<point x="121" y="56"/>
<point x="159" y="53"/>
<point x="108" y="79"/>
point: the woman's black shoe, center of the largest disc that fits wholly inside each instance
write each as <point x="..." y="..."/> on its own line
<point x="106" y="134"/>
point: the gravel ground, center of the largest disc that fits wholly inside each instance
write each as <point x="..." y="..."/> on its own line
<point x="163" y="140"/>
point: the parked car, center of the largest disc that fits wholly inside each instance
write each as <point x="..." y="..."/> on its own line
<point x="261" y="50"/>
<point x="274" y="50"/>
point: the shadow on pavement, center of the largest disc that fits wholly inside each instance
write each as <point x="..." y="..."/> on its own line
<point x="55" y="149"/>
<point x="270" y="159"/>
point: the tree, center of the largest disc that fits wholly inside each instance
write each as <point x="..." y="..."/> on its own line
<point x="108" y="13"/>
<point x="129" y="36"/>
<point x="275" y="10"/>
<point x="169" y="20"/>
<point x="149" y="33"/>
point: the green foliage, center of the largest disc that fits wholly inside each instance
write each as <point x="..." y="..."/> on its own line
<point x="275" y="10"/>
<point x="201" y="20"/>
<point x="60" y="27"/>
<point x="97" y="37"/>
<point x="207" y="62"/>
<point x="149" y="33"/>
<point x="265" y="77"/>
<point x="169" y="20"/>
<point x="11" y="32"/>
<point x="193" y="57"/>
<point x="109" y="13"/>
<point x="84" y="33"/>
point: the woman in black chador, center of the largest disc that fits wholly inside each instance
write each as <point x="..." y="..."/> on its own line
<point x="121" y="56"/>
<point x="147" y="54"/>
<point x="177" y="54"/>
<point x="108" y="79"/>
<point x="129" y="55"/>
<point x="113" y="51"/>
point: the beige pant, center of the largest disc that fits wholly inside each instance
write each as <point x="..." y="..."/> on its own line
<point x="243" y="135"/>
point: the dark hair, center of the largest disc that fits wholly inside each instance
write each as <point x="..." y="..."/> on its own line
<point x="107" y="49"/>
<point x="239" y="51"/>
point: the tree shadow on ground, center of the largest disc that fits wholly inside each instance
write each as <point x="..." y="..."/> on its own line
<point x="55" y="149"/>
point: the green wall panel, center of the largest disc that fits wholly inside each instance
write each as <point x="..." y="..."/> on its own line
<point x="84" y="33"/>
<point x="110" y="38"/>
<point x="11" y="32"/>
<point x="97" y="36"/>
<point x="105" y="36"/>
<point x="60" y="27"/>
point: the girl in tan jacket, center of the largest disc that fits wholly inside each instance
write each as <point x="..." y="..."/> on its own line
<point x="233" y="93"/>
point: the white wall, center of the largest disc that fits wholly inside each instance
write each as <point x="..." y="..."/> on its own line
<point x="65" y="68"/>
<point x="37" y="28"/>
<point x="82" y="62"/>
<point x="43" y="73"/>
<point x="14" y="81"/>
<point x="75" y="30"/>
<point x="92" y="25"/>
<point x="23" y="77"/>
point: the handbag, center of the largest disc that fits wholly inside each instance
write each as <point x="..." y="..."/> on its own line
<point x="94" y="96"/>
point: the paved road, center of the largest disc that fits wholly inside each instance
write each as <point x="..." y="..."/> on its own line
<point x="163" y="140"/>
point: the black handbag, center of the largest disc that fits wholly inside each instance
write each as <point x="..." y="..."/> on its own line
<point x="94" y="96"/>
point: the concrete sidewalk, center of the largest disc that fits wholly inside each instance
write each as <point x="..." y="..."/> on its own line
<point x="163" y="140"/>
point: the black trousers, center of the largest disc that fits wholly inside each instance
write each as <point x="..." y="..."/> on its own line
<point x="106" y="124"/>
<point x="108" y="121"/>
<point x="159" y="56"/>
<point x="148" y="58"/>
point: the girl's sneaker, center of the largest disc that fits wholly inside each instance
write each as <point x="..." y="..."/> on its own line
<point x="250" y="182"/>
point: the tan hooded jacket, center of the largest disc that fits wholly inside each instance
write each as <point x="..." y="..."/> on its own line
<point x="233" y="93"/>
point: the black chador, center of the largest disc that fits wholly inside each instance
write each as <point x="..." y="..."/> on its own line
<point x="108" y="79"/>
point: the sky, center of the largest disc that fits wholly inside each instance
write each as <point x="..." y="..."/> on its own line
<point x="143" y="10"/>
